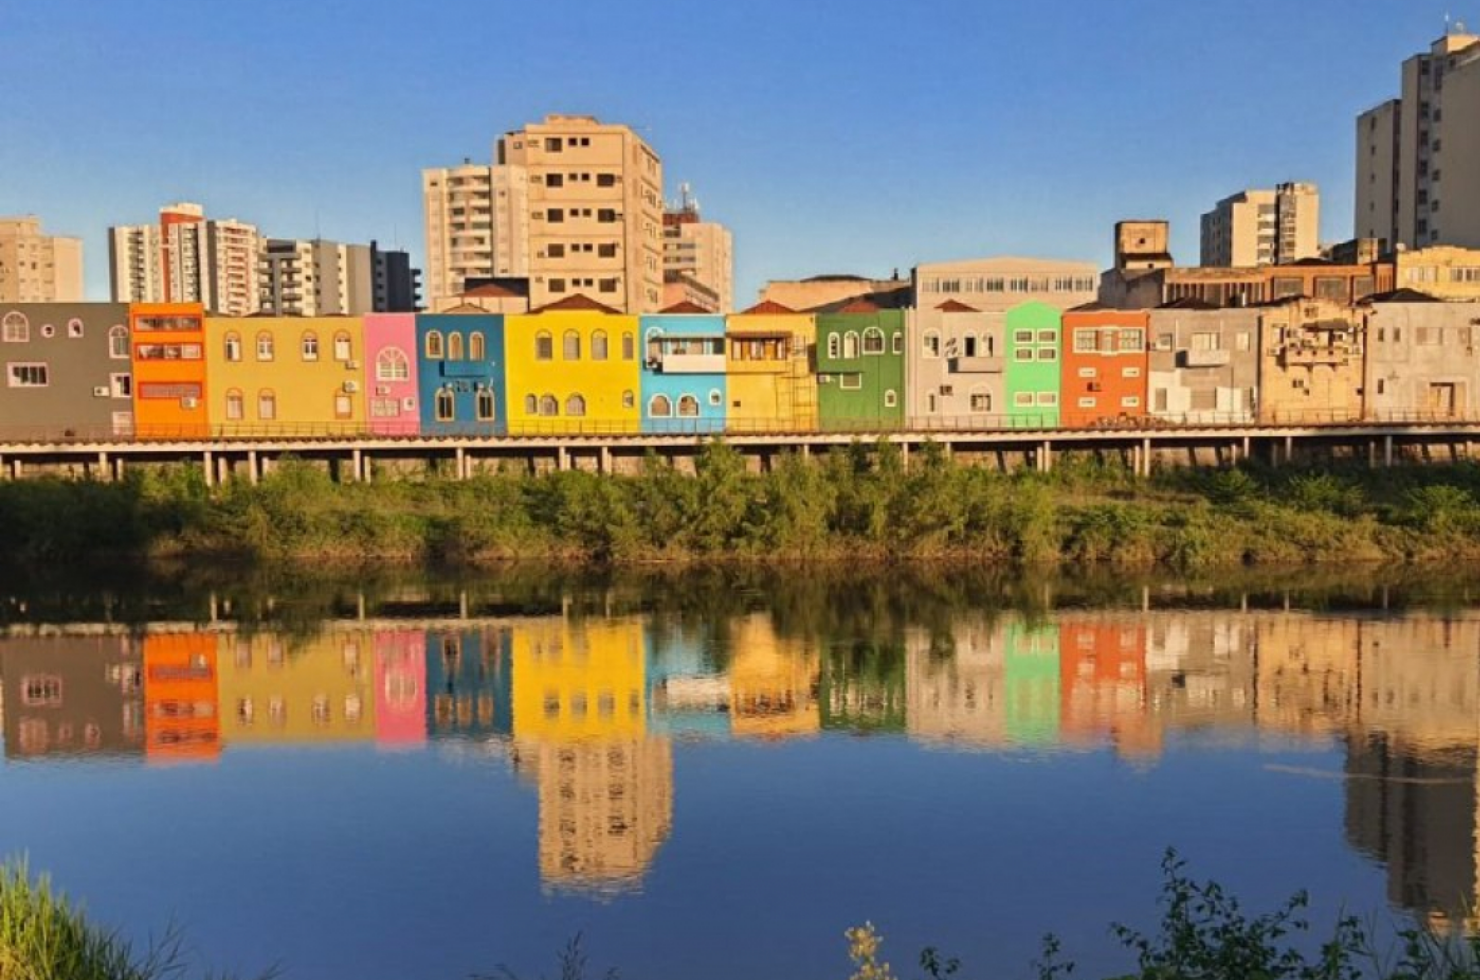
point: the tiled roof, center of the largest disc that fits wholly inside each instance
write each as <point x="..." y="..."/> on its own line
<point x="686" y="306"/>
<point x="579" y="302"/>
<point x="860" y="305"/>
<point x="768" y="308"/>
<point x="491" y="290"/>
<point x="956" y="306"/>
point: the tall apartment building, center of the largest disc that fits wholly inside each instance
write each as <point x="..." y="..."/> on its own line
<point x="477" y="226"/>
<point x="313" y="277"/>
<point x="1418" y="156"/>
<point x="37" y="268"/>
<point x="187" y="258"/>
<point x="699" y="252"/>
<point x="1263" y="227"/>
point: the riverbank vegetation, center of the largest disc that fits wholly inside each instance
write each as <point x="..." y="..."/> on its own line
<point x="858" y="503"/>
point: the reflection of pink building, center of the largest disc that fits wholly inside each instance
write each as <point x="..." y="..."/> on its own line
<point x="400" y="687"/>
<point x="390" y="373"/>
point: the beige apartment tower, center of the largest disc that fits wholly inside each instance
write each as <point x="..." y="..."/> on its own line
<point x="1418" y="156"/>
<point x="37" y="268"/>
<point x="477" y="226"/>
<point x="697" y="252"/>
<point x="187" y="258"/>
<point x="595" y="211"/>
<point x="1263" y="227"/>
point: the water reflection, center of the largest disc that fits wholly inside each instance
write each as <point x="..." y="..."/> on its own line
<point x="587" y="703"/>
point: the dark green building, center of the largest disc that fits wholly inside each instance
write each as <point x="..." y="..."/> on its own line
<point x="860" y="368"/>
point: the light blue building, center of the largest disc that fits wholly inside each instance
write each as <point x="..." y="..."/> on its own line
<point x="683" y="372"/>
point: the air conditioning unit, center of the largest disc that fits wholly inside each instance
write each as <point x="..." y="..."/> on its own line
<point x="351" y="386"/>
<point x="351" y="365"/>
<point x="408" y="404"/>
<point x="101" y="391"/>
<point x="190" y="403"/>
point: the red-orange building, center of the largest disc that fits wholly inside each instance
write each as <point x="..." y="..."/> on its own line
<point x="1102" y="678"/>
<point x="169" y="365"/>
<point x="1104" y="367"/>
<point x="182" y="717"/>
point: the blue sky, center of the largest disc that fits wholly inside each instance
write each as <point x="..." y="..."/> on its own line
<point x="832" y="136"/>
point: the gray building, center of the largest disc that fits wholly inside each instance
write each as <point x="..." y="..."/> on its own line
<point x="67" y="372"/>
<point x="313" y="277"/>
<point x="72" y="696"/>
<point x="1421" y="358"/>
<point x="1204" y="364"/>
<point x="954" y="363"/>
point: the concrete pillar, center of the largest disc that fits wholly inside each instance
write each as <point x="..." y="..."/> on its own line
<point x="253" y="472"/>
<point x="360" y="606"/>
<point x="904" y="455"/>
<point x="1146" y="457"/>
<point x="460" y="463"/>
<point x="17" y="469"/>
<point x="4" y="470"/>
<point x="1387" y="450"/>
<point x="1289" y="449"/>
<point x="462" y="605"/>
<point x="562" y="458"/>
<point x="208" y="463"/>
<point x="1245" y="455"/>
<point x="1372" y="454"/>
<point x="1045" y="458"/>
<point x="356" y="465"/>
<point x="213" y="613"/>
<point x="118" y="468"/>
<point x="606" y="459"/>
<point x="1136" y="460"/>
<point x="104" y="472"/>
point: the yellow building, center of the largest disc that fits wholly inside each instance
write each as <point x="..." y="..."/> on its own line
<point x="768" y="366"/>
<point x="1442" y="271"/>
<point x="1307" y="673"/>
<point x="277" y="690"/>
<point x="285" y="375"/>
<point x="1311" y="362"/>
<point x="572" y="367"/>
<point x="578" y="680"/>
<point x="773" y="682"/>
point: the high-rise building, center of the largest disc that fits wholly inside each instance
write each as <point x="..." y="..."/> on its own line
<point x="477" y="226"/>
<point x="314" y="277"/>
<point x="37" y="268"/>
<point x="1418" y="156"/>
<point x="1263" y="227"/>
<point x="699" y="252"/>
<point x="187" y="258"/>
<point x="595" y="211"/>
<point x="397" y="287"/>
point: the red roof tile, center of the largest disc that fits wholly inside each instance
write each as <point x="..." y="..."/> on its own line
<point x="491" y="290"/>
<point x="860" y="305"/>
<point x="956" y="306"/>
<point x="687" y="306"/>
<point x="578" y="302"/>
<point x="768" y="308"/>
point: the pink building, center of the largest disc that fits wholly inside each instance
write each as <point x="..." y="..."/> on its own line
<point x="390" y="374"/>
<point x="400" y="687"/>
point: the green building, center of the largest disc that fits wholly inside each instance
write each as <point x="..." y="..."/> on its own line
<point x="860" y="368"/>
<point x="1031" y="683"/>
<point x="1032" y="377"/>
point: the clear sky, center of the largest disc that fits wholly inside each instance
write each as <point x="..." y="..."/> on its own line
<point x="830" y="135"/>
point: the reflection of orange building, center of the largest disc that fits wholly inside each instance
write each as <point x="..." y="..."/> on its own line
<point x="181" y="710"/>
<point x="169" y="366"/>
<point x="1102" y="683"/>
<point x="773" y="682"/>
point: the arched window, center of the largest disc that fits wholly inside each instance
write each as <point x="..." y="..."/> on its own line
<point x="391" y="364"/>
<point x="544" y="346"/>
<point x="660" y="407"/>
<point x="477" y="349"/>
<point x="310" y="346"/>
<point x="485" y="404"/>
<point x="434" y="345"/>
<point x="891" y="399"/>
<point x="715" y="398"/>
<point x="629" y="400"/>
<point x="343" y="346"/>
<point x="531" y="405"/>
<point x="549" y="406"/>
<point x="446" y="405"/>
<point x="118" y="342"/>
<point x="233" y="345"/>
<point x="454" y="347"/>
<point x="850" y="345"/>
<point x="629" y="347"/>
<point x="688" y="407"/>
<point x="16" y="327"/>
<point x="598" y="346"/>
<point x="834" y="346"/>
<point x="236" y="405"/>
<point x="873" y="341"/>
<point x="575" y="405"/>
<point x="266" y="347"/>
<point x="267" y="405"/>
<point x="570" y="346"/>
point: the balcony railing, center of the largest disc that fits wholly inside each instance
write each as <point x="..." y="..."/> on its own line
<point x="1205" y="358"/>
<point x="976" y="365"/>
<point x="688" y="363"/>
<point x="1312" y="356"/>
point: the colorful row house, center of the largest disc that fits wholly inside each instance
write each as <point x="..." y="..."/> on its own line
<point x="67" y="371"/>
<point x="1204" y="364"/>
<point x="461" y="387"/>
<point x="768" y="362"/>
<point x="285" y="376"/>
<point x="169" y="370"/>
<point x="860" y="368"/>
<point x="1105" y="368"/>
<point x="1032" y="376"/>
<point x="683" y="371"/>
<point x="955" y="363"/>
<point x="572" y="369"/>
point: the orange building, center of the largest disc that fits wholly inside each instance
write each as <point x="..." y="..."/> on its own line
<point x="1104" y="367"/>
<point x="182" y="718"/>
<point x="1102" y="681"/>
<point x="169" y="366"/>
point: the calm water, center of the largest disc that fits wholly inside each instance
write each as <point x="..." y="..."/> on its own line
<point x="715" y="775"/>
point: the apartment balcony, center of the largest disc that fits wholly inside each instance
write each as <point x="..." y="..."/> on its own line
<point x="976" y="365"/>
<point x="1314" y="356"/>
<point x="1205" y="358"/>
<point x="687" y="364"/>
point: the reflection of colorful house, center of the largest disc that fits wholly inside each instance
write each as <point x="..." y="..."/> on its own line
<point x="1307" y="673"/>
<point x="956" y="687"/>
<point x="319" y="690"/>
<point x="573" y="368"/>
<point x="768" y="363"/>
<point x="860" y="368"/>
<point x="181" y="704"/>
<point x="1032" y="374"/>
<point x="400" y="687"/>
<point x="683" y="371"/>
<point x="391" y="378"/>
<point x="469" y="683"/>
<point x="72" y="696"/>
<point x="298" y="375"/>
<point x="460" y="374"/>
<point x="579" y="679"/>
<point x="773" y="682"/>
<point x="686" y="696"/>
<point x="1102" y="669"/>
<point x="169" y="368"/>
<point x="861" y="687"/>
<point x="1030" y="672"/>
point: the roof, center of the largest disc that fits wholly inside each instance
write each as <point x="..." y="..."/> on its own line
<point x="491" y="290"/>
<point x="686" y="306"/>
<point x="1404" y="295"/>
<point x="1094" y="306"/>
<point x="842" y="277"/>
<point x="860" y="304"/>
<point x="1188" y="303"/>
<point x="768" y="308"/>
<point x="1007" y="264"/>
<point x="897" y="296"/>
<point x="578" y="302"/>
<point x="956" y="306"/>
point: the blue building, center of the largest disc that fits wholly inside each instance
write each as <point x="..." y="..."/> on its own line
<point x="460" y="371"/>
<point x="470" y="683"/>
<point x="683" y="371"/>
<point x="688" y="696"/>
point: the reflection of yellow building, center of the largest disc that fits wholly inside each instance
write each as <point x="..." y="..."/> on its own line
<point x="773" y="682"/>
<point x="577" y="680"/>
<point x="1307" y="673"/>
<point x="276" y="691"/>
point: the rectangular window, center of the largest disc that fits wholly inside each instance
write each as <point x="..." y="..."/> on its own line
<point x="1132" y="339"/>
<point x="1088" y="372"/>
<point x="555" y="251"/>
<point x="1048" y="354"/>
<point x="1047" y="399"/>
<point x="1022" y="336"/>
<point x="897" y="344"/>
<point x="1023" y="354"/>
<point x="606" y="215"/>
<point x="554" y="180"/>
<point x="852" y="382"/>
<point x="1086" y="403"/>
<point x="1131" y="372"/>
<point x="1130" y="401"/>
<point x="606" y="250"/>
<point x="606" y="180"/>
<point x="1086" y="340"/>
<point x="1023" y="399"/>
<point x="552" y="144"/>
<point x="29" y="376"/>
<point x="557" y="285"/>
<point x="122" y="385"/>
<point x="1048" y="336"/>
<point x="555" y="215"/>
<point x="608" y="285"/>
<point x="343" y="407"/>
